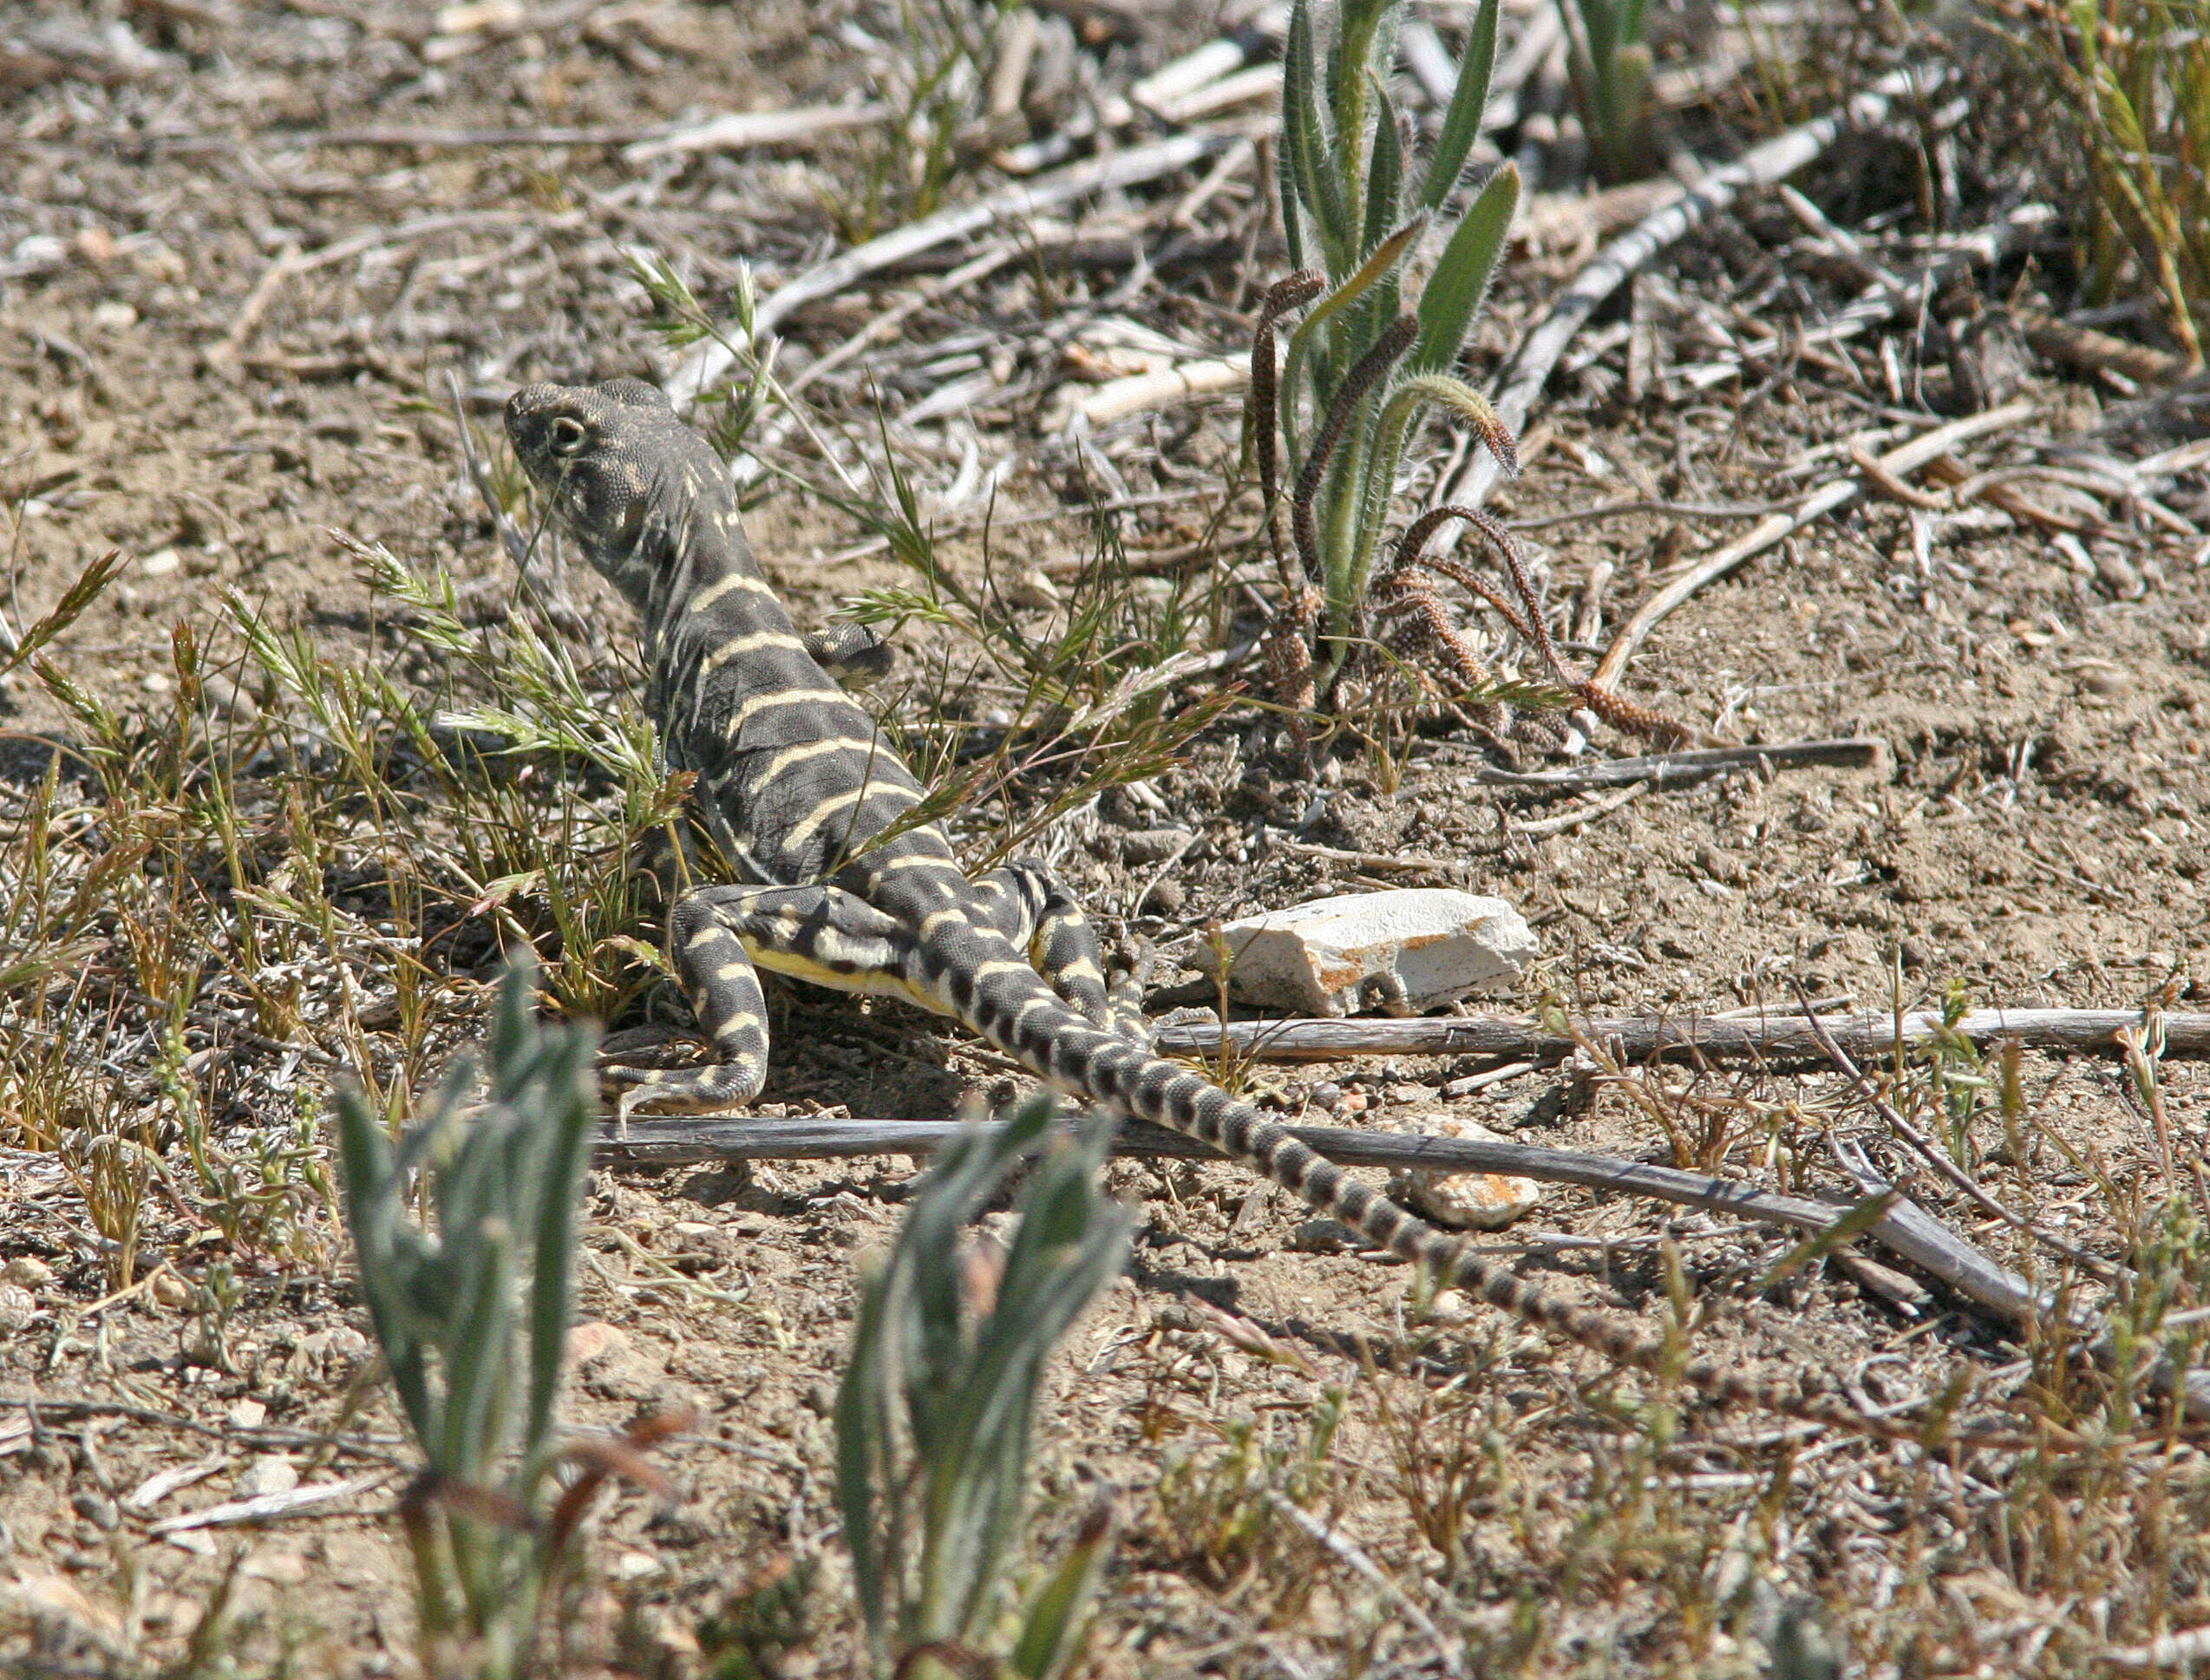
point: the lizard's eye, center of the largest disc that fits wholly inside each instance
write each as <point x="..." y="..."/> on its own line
<point x="569" y="435"/>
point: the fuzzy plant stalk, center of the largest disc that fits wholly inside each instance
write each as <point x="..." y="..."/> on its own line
<point x="1375" y="347"/>
<point x="936" y="1411"/>
<point x="471" y="1307"/>
<point x="1608" y="61"/>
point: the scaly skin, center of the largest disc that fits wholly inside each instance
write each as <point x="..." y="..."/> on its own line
<point x="798" y="788"/>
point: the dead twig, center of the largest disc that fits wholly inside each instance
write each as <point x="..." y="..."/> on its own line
<point x="1785" y="1038"/>
<point x="1692" y="765"/>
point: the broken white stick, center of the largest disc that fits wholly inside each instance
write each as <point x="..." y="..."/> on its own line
<point x="1140" y="393"/>
<point x="1402" y="952"/>
<point x="741" y="130"/>
<point x="264" y="1506"/>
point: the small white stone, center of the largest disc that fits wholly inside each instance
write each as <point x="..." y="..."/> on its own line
<point x="156" y="681"/>
<point x="1403" y="951"/>
<point x="159" y="563"/>
<point x="1449" y="1306"/>
<point x="18" y="1306"/>
<point x="1465" y="1201"/>
<point x="270" y="1473"/>
<point x="114" y="315"/>
<point x="1033" y="591"/>
<point x="635" y="1566"/>
<point x="248" y="1415"/>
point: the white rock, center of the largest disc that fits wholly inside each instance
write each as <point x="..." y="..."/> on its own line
<point x="269" y="1473"/>
<point x="1403" y="951"/>
<point x="1465" y="1201"/>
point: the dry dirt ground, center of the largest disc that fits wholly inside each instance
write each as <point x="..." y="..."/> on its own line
<point x="221" y="340"/>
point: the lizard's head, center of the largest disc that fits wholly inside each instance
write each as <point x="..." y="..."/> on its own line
<point x="617" y="465"/>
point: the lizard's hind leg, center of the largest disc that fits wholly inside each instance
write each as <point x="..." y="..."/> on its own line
<point x="725" y="990"/>
<point x="723" y="936"/>
<point x="1039" y="915"/>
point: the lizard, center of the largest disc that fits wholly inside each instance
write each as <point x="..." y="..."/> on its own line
<point x="798" y="788"/>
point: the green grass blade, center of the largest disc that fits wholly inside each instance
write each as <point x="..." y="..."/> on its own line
<point x="1305" y="141"/>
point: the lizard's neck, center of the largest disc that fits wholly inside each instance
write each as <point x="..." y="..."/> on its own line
<point x="690" y="575"/>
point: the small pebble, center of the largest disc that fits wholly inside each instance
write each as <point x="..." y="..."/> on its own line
<point x="1164" y="898"/>
<point x="2119" y="577"/>
<point x="1449" y="1306"/>
<point x="159" y="563"/>
<point x="114" y="315"/>
<point x="27" y="1271"/>
<point x="1152" y="845"/>
<point x="269" y="1473"/>
<point x="1323" y="1236"/>
<point x="97" y="1509"/>
<point x="18" y="1306"/>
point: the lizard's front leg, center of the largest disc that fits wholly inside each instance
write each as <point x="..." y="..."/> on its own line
<point x="722" y="937"/>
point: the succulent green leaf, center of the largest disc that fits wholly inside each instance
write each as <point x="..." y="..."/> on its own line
<point x="1385" y="175"/>
<point x="1305" y="141"/>
<point x="1462" y="277"/>
<point x="1462" y="123"/>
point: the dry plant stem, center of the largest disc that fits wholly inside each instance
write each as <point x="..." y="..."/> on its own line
<point x="1895" y="464"/>
<point x="1639" y="1037"/>
<point x="1530" y="624"/>
<point x="1138" y="164"/>
<point x="458" y="139"/>
<point x="1696" y="764"/>
<point x="40" y="1408"/>
<point x="1522" y="378"/>
<point x="1926" y="1150"/>
<point x="1293" y="292"/>
<point x="2185" y="1650"/>
<point x="741" y="130"/>
<point x="1568" y="820"/>
<point x="1919" y="1240"/>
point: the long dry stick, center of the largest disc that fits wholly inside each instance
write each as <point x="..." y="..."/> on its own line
<point x="1780" y="1038"/>
<point x="1694" y="764"/>
<point x="1904" y="1230"/>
